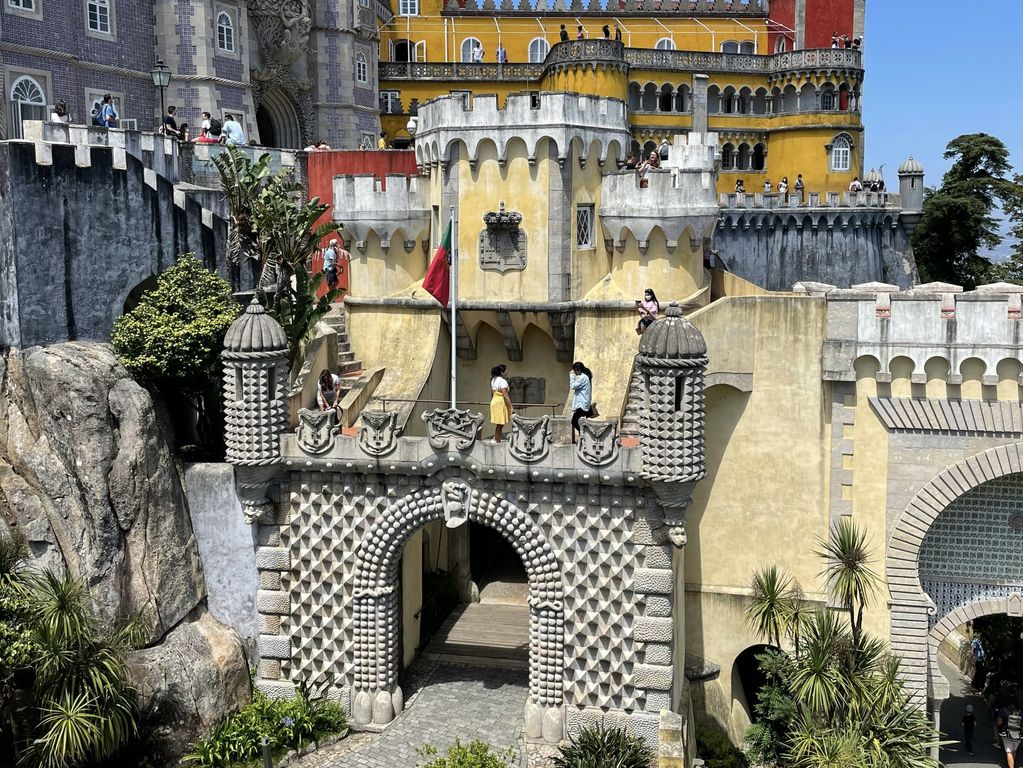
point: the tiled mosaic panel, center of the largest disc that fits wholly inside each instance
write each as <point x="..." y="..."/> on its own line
<point x="949" y="595"/>
<point x="979" y="536"/>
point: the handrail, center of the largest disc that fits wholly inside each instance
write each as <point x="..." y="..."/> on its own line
<point x="385" y="400"/>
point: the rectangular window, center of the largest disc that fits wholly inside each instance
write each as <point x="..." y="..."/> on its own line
<point x="225" y="32"/>
<point x="99" y="16"/>
<point x="840" y="158"/>
<point x="408" y="8"/>
<point x="584" y="226"/>
<point x="22" y="5"/>
<point x="466" y="98"/>
<point x="390" y="102"/>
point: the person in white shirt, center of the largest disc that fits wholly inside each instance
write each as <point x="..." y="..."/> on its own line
<point x="328" y="393"/>
<point x="232" y="133"/>
<point x="59" y="113"/>
<point x="477" y="53"/>
<point x="500" y="403"/>
<point x="856" y="185"/>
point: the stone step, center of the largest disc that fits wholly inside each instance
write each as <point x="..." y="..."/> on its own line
<point x="345" y="357"/>
<point x="349" y="367"/>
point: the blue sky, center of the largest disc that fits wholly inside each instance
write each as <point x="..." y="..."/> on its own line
<point x="936" y="70"/>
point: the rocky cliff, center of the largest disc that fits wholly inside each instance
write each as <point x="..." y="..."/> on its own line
<point x="86" y="471"/>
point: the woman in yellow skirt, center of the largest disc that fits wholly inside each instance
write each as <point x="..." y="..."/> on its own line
<point x="500" y="402"/>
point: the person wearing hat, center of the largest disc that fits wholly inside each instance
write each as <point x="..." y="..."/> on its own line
<point x="969" y="724"/>
<point x="330" y="264"/>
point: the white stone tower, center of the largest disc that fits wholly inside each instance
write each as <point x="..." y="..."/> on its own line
<point x="911" y="187"/>
<point x="671" y="362"/>
<point x="255" y="381"/>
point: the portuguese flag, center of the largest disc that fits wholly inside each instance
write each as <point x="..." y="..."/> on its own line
<point x="438" y="277"/>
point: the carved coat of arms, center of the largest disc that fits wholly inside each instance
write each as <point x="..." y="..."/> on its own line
<point x="379" y="433"/>
<point x="598" y="443"/>
<point x="445" y="426"/>
<point x="316" y="432"/>
<point x="455" y="497"/>
<point x="530" y="439"/>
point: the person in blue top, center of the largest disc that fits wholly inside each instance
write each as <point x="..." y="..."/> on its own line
<point x="107" y="115"/>
<point x="580" y="381"/>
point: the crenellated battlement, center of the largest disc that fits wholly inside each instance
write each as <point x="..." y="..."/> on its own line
<point x="363" y="204"/>
<point x="563" y="118"/>
<point x="935" y="324"/>
<point x="679" y="195"/>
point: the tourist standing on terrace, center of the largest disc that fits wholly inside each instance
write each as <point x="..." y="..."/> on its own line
<point x="328" y="393"/>
<point x="580" y="381"/>
<point x="648" y="309"/>
<point x="500" y="402"/>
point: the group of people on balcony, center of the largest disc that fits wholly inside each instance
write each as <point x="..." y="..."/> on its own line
<point x="844" y="41"/>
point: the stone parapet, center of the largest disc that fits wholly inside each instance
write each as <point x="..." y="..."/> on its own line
<point x="761" y="201"/>
<point x="365" y="205"/>
<point x="573" y="8"/>
<point x="932" y="321"/>
<point x="563" y="118"/>
<point x="676" y="198"/>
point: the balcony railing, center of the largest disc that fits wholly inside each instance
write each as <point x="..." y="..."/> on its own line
<point x="637" y="58"/>
<point x="581" y="8"/>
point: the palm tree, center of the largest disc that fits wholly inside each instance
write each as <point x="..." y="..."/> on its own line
<point x="800" y="611"/>
<point x="852" y="581"/>
<point x="771" y="604"/>
<point x="242" y="182"/>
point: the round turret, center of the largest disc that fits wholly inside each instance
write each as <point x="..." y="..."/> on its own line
<point x="671" y="362"/>
<point x="872" y="177"/>
<point x="911" y="187"/>
<point x="255" y="375"/>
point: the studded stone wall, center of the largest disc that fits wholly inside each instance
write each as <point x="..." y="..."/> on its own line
<point x="598" y="565"/>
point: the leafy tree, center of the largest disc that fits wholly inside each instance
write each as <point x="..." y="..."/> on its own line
<point x="281" y="231"/>
<point x="959" y="219"/>
<point x="173" y="339"/>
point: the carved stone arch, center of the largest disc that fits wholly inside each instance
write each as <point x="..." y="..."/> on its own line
<point x="376" y="696"/>
<point x="956" y="618"/>
<point x="911" y="607"/>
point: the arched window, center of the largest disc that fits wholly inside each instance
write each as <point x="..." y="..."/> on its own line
<point x="99" y="16"/>
<point x="758" y="157"/>
<point x="225" y="32"/>
<point x="665" y="44"/>
<point x="781" y="44"/>
<point x="681" y="99"/>
<point x="28" y="102"/>
<point x="841" y="154"/>
<point x="401" y="50"/>
<point x="468" y="47"/>
<point x="747" y="46"/>
<point x="665" y="99"/>
<point x="730" y="46"/>
<point x="828" y="100"/>
<point x="727" y="157"/>
<point x="538" y="48"/>
<point x="742" y="157"/>
<point x="361" y="68"/>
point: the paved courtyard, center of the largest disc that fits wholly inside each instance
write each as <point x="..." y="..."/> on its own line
<point x="445" y="701"/>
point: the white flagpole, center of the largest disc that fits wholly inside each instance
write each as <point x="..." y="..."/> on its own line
<point x="453" y="295"/>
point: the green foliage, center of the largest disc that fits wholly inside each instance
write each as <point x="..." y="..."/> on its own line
<point x="599" y="747"/>
<point x="959" y="219"/>
<point x="285" y="723"/>
<point x="65" y="699"/>
<point x="767" y="612"/>
<point x="475" y="754"/>
<point x="270" y="222"/>
<point x="837" y="699"/>
<point x="717" y="751"/>
<point x="176" y="333"/>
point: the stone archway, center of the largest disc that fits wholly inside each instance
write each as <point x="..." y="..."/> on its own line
<point x="376" y="696"/>
<point x="911" y="607"/>
<point x="277" y="120"/>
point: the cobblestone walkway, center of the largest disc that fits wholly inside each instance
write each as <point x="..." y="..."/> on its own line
<point x="445" y="701"/>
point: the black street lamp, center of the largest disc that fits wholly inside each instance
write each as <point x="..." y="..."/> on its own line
<point x="161" y="79"/>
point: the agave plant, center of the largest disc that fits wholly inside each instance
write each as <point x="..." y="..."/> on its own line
<point x="600" y="747"/>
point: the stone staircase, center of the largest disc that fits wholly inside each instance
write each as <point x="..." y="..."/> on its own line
<point x="348" y="368"/>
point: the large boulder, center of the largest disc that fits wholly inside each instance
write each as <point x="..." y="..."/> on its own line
<point x="87" y="472"/>
<point x="189" y="681"/>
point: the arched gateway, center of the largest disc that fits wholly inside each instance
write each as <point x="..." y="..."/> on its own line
<point x="376" y="695"/>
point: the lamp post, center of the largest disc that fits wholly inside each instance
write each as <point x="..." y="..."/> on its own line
<point x="161" y="79"/>
<point x="411" y="126"/>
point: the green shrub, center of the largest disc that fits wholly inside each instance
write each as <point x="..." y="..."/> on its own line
<point x="717" y="751"/>
<point x="285" y="723"/>
<point x="599" y="747"/>
<point x="475" y="754"/>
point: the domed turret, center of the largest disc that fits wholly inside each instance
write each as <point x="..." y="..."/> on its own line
<point x="911" y="187"/>
<point x="671" y="361"/>
<point x="255" y="376"/>
<point x="872" y="177"/>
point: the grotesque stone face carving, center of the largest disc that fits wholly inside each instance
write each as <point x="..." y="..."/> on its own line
<point x="455" y="498"/>
<point x="378" y="436"/>
<point x="598" y="444"/>
<point x="527" y="389"/>
<point x="502" y="243"/>
<point x="445" y="426"/>
<point x="530" y="438"/>
<point x="315" y="433"/>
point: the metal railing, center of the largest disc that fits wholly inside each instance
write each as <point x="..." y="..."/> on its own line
<point x="385" y="400"/>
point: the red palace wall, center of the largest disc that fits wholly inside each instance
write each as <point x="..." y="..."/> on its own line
<point x="324" y="166"/>
<point x="783" y="13"/>
<point x="823" y="19"/>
